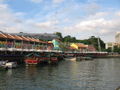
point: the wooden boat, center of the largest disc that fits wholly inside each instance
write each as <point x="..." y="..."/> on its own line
<point x="32" y="59"/>
<point x="52" y="58"/>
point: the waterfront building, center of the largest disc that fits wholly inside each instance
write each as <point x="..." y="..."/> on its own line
<point x="8" y="41"/>
<point x="91" y="48"/>
<point x="82" y="47"/>
<point x="109" y="45"/>
<point x="117" y="38"/>
<point x="50" y="45"/>
<point x="56" y="44"/>
<point x="113" y="44"/>
<point x="79" y="46"/>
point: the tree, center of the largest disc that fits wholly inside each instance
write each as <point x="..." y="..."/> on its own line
<point x="68" y="38"/>
<point x="116" y="49"/>
<point x="94" y="41"/>
<point x="59" y="35"/>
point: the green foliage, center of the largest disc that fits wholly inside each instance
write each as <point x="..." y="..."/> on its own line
<point x="69" y="39"/>
<point x="109" y="50"/>
<point x="59" y="35"/>
<point x="94" y="41"/>
<point x="116" y="49"/>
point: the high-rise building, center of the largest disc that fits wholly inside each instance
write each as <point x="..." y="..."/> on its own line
<point x="117" y="38"/>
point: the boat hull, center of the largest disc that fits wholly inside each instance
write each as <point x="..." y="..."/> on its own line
<point x="31" y="62"/>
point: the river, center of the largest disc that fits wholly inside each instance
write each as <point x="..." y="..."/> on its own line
<point x="98" y="74"/>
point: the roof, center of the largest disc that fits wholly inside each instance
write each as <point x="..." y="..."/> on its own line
<point x="49" y="42"/>
<point x="42" y="41"/>
<point x="30" y="39"/>
<point x="81" y="45"/>
<point x="35" y="40"/>
<point x="43" y="36"/>
<point x="18" y="37"/>
<point x="9" y="36"/>
<point x="71" y="48"/>
<point x="2" y="35"/>
<point x="24" y="38"/>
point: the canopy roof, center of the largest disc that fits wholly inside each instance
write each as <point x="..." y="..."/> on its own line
<point x="2" y="36"/>
<point x="17" y="37"/>
<point x="22" y="38"/>
<point x="9" y="36"/>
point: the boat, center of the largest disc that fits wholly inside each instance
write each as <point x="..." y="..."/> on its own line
<point x="10" y="65"/>
<point x="2" y="65"/>
<point x="35" y="59"/>
<point x="53" y="58"/>
<point x="83" y="58"/>
<point x="32" y="59"/>
<point x="70" y="59"/>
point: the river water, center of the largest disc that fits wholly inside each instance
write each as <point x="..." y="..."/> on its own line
<point x="98" y="74"/>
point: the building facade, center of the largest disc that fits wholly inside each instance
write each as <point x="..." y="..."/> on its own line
<point x="117" y="38"/>
<point x="109" y="45"/>
<point x="113" y="44"/>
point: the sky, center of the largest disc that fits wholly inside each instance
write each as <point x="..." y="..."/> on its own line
<point x="78" y="18"/>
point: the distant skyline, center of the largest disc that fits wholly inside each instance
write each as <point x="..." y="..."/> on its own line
<point x="78" y="18"/>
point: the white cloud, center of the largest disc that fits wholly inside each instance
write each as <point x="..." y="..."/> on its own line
<point x="96" y="24"/>
<point x="117" y="13"/>
<point x="103" y="31"/>
<point x="91" y="8"/>
<point x="2" y="1"/>
<point x="54" y="1"/>
<point x="36" y="1"/>
<point x="98" y="15"/>
<point x="46" y="25"/>
<point x="57" y="1"/>
<point x="9" y="21"/>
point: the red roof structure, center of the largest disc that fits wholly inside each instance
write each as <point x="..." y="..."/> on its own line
<point x="24" y="38"/>
<point x="2" y="35"/>
<point x="9" y="36"/>
<point x="17" y="37"/>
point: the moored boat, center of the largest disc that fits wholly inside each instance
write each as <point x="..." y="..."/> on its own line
<point x="35" y="59"/>
<point x="84" y="58"/>
<point x="32" y="59"/>
<point x="10" y="65"/>
<point x="7" y="65"/>
<point x="53" y="58"/>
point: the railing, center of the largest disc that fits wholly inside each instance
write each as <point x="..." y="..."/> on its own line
<point x="17" y="45"/>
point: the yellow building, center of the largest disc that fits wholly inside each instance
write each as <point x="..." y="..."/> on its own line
<point x="79" y="46"/>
